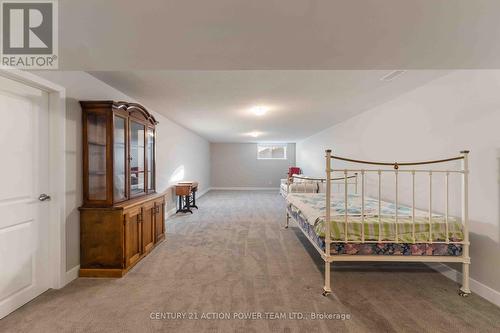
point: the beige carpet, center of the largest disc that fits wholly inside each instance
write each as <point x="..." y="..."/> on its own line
<point x="233" y="256"/>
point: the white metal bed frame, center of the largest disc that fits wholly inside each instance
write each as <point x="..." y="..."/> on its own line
<point x="328" y="258"/>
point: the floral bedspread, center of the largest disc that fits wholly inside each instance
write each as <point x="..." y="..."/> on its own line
<point x="405" y="249"/>
<point x="311" y="207"/>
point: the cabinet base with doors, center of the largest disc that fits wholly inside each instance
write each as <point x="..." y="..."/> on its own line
<point x="122" y="217"/>
<point x="113" y="239"/>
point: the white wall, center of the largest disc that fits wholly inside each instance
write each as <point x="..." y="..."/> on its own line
<point x="458" y="111"/>
<point x="236" y="165"/>
<point x="177" y="149"/>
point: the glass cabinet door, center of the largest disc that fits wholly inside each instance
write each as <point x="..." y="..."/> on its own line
<point x="120" y="159"/>
<point x="150" y="159"/>
<point x="137" y="153"/>
<point x="96" y="146"/>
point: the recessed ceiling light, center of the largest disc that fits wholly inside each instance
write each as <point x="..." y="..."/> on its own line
<point x="392" y="75"/>
<point x="259" y="110"/>
<point x="254" y="134"/>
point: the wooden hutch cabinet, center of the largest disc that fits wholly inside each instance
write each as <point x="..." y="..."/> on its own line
<point x="122" y="217"/>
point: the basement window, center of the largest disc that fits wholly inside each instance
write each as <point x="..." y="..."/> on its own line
<point x="271" y="151"/>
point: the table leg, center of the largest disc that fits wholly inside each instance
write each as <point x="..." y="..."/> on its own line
<point x="194" y="200"/>
<point x="184" y="204"/>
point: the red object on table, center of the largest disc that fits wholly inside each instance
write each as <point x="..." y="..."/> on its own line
<point x="294" y="171"/>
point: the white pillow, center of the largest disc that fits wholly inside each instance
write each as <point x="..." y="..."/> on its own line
<point x="304" y="187"/>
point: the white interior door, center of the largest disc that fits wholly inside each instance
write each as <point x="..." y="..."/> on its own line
<point x="24" y="236"/>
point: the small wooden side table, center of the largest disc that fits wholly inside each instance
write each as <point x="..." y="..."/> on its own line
<point x="186" y="191"/>
<point x="183" y="191"/>
<point x="194" y="189"/>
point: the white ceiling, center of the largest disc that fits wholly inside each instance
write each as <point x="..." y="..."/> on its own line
<point x="203" y="64"/>
<point x="279" y="34"/>
<point x="216" y="104"/>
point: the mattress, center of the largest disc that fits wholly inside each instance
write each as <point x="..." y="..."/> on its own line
<point x="403" y="249"/>
<point x="310" y="207"/>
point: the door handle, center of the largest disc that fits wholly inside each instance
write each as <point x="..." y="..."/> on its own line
<point x="44" y="197"/>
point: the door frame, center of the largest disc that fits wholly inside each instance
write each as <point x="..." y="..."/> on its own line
<point x="58" y="277"/>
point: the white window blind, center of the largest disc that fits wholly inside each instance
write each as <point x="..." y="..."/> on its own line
<point x="271" y="151"/>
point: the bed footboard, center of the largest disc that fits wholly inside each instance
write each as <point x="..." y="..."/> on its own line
<point x="396" y="171"/>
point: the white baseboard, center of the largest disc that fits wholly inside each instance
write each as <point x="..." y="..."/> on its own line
<point x="245" y="188"/>
<point x="476" y="287"/>
<point x="71" y="274"/>
<point x="202" y="193"/>
<point x="171" y="212"/>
